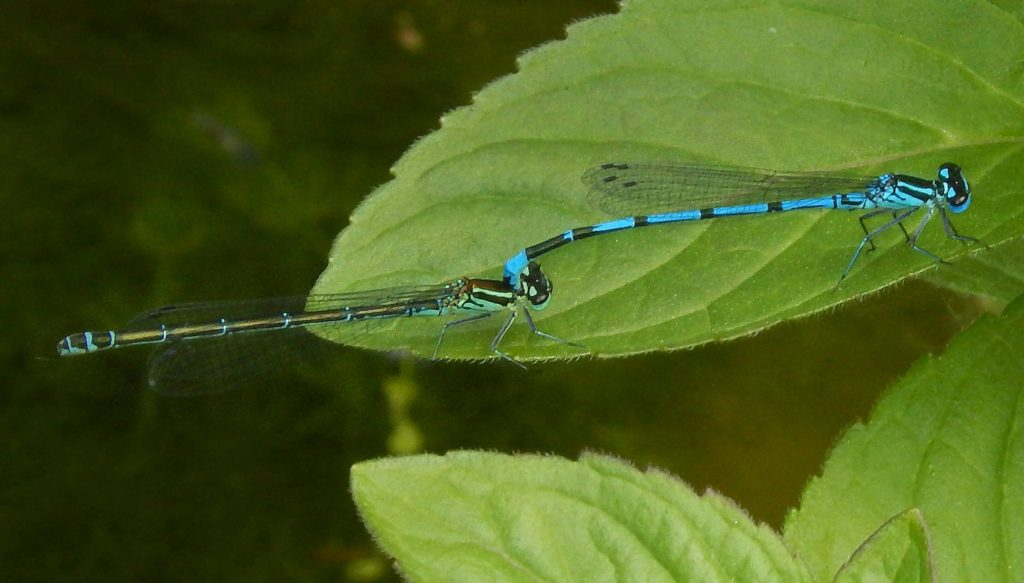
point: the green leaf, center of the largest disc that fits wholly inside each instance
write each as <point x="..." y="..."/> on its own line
<point x="471" y="516"/>
<point x="847" y="85"/>
<point x="931" y="488"/>
<point x="899" y="552"/>
<point x="996" y="276"/>
<point x="948" y="442"/>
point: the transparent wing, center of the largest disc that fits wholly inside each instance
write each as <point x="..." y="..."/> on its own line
<point x="642" y="188"/>
<point x="191" y="368"/>
<point x="215" y="364"/>
<point x="190" y="313"/>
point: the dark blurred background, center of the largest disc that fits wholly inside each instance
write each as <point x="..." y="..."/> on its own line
<point x="161" y="152"/>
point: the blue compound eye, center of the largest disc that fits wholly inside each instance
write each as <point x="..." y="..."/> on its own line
<point x="957" y="191"/>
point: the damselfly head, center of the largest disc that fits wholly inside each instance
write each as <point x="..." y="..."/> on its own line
<point x="954" y="187"/>
<point x="535" y="286"/>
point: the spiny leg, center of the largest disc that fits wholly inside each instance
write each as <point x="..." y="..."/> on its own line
<point x="917" y="233"/>
<point x="501" y="334"/>
<point x="869" y="215"/>
<point x="897" y="219"/>
<point x="440" y="337"/>
<point x="533" y="327"/>
<point x="952" y="233"/>
<point x="906" y="235"/>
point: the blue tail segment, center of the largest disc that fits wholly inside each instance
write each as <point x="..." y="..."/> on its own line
<point x="515" y="266"/>
<point x="659" y="194"/>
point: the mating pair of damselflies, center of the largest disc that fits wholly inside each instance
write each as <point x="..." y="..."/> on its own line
<point x="658" y="190"/>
